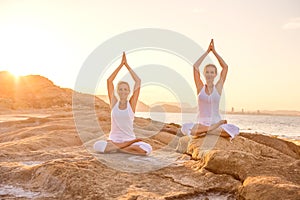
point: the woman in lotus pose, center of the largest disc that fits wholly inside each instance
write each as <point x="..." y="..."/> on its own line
<point x="209" y="120"/>
<point x="122" y="137"/>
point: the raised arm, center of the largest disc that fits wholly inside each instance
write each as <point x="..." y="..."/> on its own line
<point x="110" y="85"/>
<point x="197" y="79"/>
<point x="137" y="85"/>
<point x="224" y="71"/>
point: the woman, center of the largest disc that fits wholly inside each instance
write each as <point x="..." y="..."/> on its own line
<point x="209" y="95"/>
<point x="122" y="137"/>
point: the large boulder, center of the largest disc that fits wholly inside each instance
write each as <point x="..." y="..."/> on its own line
<point x="266" y="166"/>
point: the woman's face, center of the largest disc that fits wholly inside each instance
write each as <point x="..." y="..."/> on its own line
<point x="210" y="74"/>
<point x="123" y="91"/>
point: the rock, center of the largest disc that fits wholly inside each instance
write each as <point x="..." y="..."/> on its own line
<point x="183" y="143"/>
<point x="172" y="128"/>
<point x="45" y="156"/>
<point x="258" y="163"/>
<point x="269" y="187"/>
<point x="287" y="148"/>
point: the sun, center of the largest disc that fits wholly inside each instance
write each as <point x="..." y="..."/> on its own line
<point x="28" y="49"/>
<point x="18" y="71"/>
<point x="15" y="77"/>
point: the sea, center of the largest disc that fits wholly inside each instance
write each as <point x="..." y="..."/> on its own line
<point x="280" y="126"/>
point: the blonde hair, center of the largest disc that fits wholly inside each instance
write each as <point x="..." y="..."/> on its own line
<point x="210" y="65"/>
<point x="123" y="82"/>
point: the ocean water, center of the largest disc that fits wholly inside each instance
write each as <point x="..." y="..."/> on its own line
<point x="281" y="126"/>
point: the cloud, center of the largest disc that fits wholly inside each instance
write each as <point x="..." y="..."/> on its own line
<point x="293" y="23"/>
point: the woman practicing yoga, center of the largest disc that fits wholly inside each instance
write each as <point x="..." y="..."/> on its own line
<point x="209" y="120"/>
<point x="122" y="137"/>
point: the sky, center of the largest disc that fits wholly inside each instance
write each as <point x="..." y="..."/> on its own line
<point x="259" y="40"/>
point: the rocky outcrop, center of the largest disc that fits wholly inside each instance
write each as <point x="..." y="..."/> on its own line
<point x="37" y="92"/>
<point x="266" y="167"/>
<point x="46" y="158"/>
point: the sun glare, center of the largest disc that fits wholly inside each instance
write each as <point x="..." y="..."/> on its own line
<point x="16" y="73"/>
<point x="15" y="76"/>
<point x="27" y="49"/>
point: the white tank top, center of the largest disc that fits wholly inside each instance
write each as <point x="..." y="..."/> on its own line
<point x="122" y="124"/>
<point x="208" y="107"/>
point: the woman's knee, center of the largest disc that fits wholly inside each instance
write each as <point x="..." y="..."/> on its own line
<point x="186" y="128"/>
<point x="100" y="146"/>
<point x="144" y="146"/>
<point x="147" y="148"/>
<point x="224" y="134"/>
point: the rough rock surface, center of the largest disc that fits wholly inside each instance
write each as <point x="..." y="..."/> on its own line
<point x="44" y="158"/>
<point x="266" y="167"/>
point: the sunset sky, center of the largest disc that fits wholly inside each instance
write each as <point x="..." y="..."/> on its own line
<point x="259" y="40"/>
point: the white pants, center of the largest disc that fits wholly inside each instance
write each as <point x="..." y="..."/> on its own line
<point x="100" y="146"/>
<point x="145" y="146"/>
<point x="231" y="129"/>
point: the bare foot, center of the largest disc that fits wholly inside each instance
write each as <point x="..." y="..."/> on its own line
<point x="170" y="129"/>
<point x="115" y="146"/>
<point x="199" y="135"/>
<point x="111" y="147"/>
<point x="223" y="121"/>
<point x="137" y="140"/>
<point x="198" y="129"/>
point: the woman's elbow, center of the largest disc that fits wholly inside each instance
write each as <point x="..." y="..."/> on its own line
<point x="109" y="81"/>
<point x="138" y="81"/>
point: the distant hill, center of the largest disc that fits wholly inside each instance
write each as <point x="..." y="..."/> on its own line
<point x="165" y="108"/>
<point x="35" y="91"/>
<point x="177" y="107"/>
